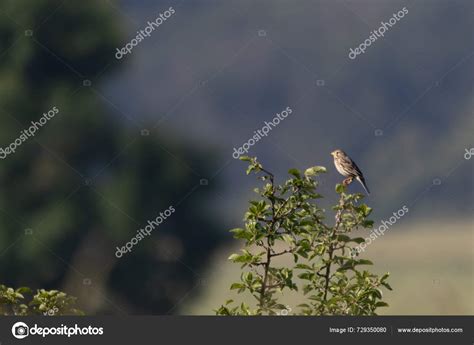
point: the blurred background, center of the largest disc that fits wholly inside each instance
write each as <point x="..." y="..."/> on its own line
<point x="157" y="128"/>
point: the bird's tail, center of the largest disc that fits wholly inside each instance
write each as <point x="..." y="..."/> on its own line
<point x="362" y="182"/>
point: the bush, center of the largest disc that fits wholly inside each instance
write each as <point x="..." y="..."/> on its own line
<point x="287" y="221"/>
<point x="48" y="303"/>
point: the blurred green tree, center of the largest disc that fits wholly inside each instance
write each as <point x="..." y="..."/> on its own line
<point x="87" y="181"/>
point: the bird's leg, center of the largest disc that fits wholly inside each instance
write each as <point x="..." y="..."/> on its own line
<point x="347" y="181"/>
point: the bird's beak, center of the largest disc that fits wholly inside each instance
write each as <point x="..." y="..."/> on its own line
<point x="332" y="153"/>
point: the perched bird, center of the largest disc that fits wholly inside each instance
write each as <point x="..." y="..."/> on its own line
<point x="348" y="168"/>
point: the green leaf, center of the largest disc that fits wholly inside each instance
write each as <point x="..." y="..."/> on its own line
<point x="368" y="223"/>
<point x="366" y="210"/>
<point x="358" y="240"/>
<point x="288" y="239"/>
<point x="240" y="233"/>
<point x="348" y="265"/>
<point x="23" y="290"/>
<point x="236" y="286"/>
<point x="340" y="188"/>
<point x="306" y="275"/>
<point x="303" y="305"/>
<point x="295" y="173"/>
<point x="343" y="238"/>
<point x="314" y="171"/>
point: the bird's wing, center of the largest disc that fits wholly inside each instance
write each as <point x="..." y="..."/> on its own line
<point x="356" y="168"/>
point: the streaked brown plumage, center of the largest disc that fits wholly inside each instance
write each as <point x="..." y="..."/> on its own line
<point x="347" y="168"/>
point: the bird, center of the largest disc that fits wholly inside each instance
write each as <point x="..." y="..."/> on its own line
<point x="347" y="168"/>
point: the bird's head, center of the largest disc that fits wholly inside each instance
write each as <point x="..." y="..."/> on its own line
<point x="336" y="153"/>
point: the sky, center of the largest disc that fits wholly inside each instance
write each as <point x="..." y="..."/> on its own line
<point x="214" y="72"/>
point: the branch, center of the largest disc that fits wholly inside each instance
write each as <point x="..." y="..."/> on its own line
<point x="266" y="265"/>
<point x="332" y="247"/>
<point x="281" y="253"/>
